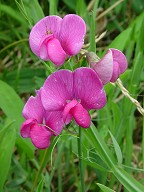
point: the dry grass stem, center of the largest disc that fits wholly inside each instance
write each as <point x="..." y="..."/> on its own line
<point x="127" y="94"/>
<point x="97" y="39"/>
<point x="109" y="9"/>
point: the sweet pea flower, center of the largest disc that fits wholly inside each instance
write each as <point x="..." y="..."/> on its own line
<point x="56" y="39"/>
<point x="40" y="125"/>
<point x="74" y="94"/>
<point x="110" y="67"/>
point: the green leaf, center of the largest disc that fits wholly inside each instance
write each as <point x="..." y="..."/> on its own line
<point x="96" y="140"/>
<point x="95" y="165"/>
<point x="104" y="188"/>
<point x="93" y="27"/>
<point x="117" y="149"/>
<point x="26" y="146"/>
<point x="137" y="69"/>
<point x="131" y="184"/>
<point x="40" y="185"/>
<point x="12" y="106"/>
<point x="120" y="41"/>
<point x="71" y="4"/>
<point x="7" y="141"/>
<point x="127" y="180"/>
<point x="12" y="13"/>
<point x="140" y="39"/>
<point x="52" y="7"/>
<point x="81" y="8"/>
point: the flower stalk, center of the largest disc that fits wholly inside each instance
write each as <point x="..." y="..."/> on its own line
<point x="81" y="165"/>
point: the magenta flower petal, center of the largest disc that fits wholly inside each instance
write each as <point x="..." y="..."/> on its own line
<point x="89" y="89"/>
<point x="43" y="54"/>
<point x="76" y="110"/>
<point x="120" y="58"/>
<point x="40" y="136"/>
<point x="68" y="119"/>
<point x="81" y="116"/>
<point x="104" y="67"/>
<point x="45" y="39"/>
<point x="67" y="109"/>
<point x="55" y="52"/>
<point x="25" y="128"/>
<point x="57" y="90"/>
<point x="54" y="120"/>
<point x="72" y="32"/>
<point x="33" y="108"/>
<point x="116" y="72"/>
<point x="41" y="30"/>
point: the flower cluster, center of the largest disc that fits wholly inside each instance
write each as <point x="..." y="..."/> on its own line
<point x="66" y="95"/>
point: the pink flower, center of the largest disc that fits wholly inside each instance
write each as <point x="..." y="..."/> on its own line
<point x="74" y="94"/>
<point x="40" y="125"/>
<point x="110" y="67"/>
<point x="55" y="39"/>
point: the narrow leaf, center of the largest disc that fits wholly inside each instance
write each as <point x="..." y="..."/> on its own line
<point x="117" y="149"/>
<point x="7" y="141"/>
<point x="40" y="185"/>
<point x="104" y="188"/>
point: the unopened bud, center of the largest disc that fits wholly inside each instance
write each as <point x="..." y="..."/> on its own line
<point x="92" y="58"/>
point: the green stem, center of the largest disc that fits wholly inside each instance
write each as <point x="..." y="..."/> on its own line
<point x="81" y="166"/>
<point x="52" y="7"/>
<point x="93" y="27"/>
<point x="39" y="170"/>
<point x="143" y="139"/>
